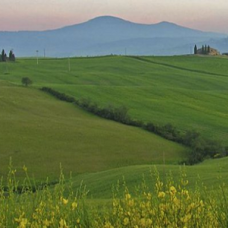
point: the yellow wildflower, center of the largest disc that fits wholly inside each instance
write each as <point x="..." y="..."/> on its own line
<point x="65" y="201"/>
<point x="186" y="218"/>
<point x="46" y="223"/>
<point x="62" y="224"/>
<point x="126" y="221"/>
<point x="149" y="196"/>
<point x="131" y="203"/>
<point x="143" y="222"/>
<point x="25" y="168"/>
<point x="161" y="195"/>
<point x="108" y="225"/>
<point x="173" y="190"/>
<point x="148" y="222"/>
<point x="74" y="205"/>
<point x="13" y="171"/>
<point x="128" y="196"/>
<point x="23" y="223"/>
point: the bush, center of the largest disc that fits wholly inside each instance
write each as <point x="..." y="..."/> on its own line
<point x="26" y="81"/>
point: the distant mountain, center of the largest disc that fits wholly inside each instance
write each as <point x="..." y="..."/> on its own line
<point x="110" y="35"/>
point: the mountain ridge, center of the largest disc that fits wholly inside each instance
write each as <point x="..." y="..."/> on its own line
<point x="98" y="35"/>
<point x="108" y="19"/>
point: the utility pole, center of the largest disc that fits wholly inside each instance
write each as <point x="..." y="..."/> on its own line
<point x="37" y="62"/>
<point x="44" y="53"/>
<point x="69" y="64"/>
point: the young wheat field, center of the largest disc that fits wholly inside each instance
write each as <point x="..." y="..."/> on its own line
<point x="62" y="166"/>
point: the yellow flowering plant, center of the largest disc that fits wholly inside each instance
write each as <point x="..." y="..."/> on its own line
<point x="166" y="204"/>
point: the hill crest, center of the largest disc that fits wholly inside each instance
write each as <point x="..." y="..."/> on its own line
<point x="107" y="35"/>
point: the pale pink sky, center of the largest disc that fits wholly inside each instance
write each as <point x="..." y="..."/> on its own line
<point x="207" y="15"/>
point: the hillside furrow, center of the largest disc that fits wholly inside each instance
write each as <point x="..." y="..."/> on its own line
<point x="177" y="67"/>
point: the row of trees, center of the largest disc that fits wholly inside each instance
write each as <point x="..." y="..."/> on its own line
<point x="206" y="49"/>
<point x="4" y="58"/>
<point x="201" y="148"/>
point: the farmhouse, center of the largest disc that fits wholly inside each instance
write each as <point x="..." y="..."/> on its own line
<point x="206" y="50"/>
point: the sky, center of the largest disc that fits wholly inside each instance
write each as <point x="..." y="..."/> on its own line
<point x="206" y="15"/>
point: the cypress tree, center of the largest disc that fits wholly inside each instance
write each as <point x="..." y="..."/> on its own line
<point x="11" y="56"/>
<point x="195" y="50"/>
<point x="3" y="55"/>
<point x="203" y="50"/>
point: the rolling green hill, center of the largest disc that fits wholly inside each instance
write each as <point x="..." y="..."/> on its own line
<point x="208" y="176"/>
<point x="41" y="132"/>
<point x="189" y="92"/>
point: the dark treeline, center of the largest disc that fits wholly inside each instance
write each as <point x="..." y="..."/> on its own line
<point x="60" y="96"/>
<point x="27" y="187"/>
<point x="201" y="148"/>
<point x="4" y="57"/>
<point x="206" y="49"/>
<point x="109" y="112"/>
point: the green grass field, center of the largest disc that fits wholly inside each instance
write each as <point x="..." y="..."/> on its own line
<point x="208" y="176"/>
<point x="189" y="92"/>
<point x="41" y="132"/>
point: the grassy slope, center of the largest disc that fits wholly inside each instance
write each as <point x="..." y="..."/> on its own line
<point x="41" y="132"/>
<point x="190" y="92"/>
<point x="209" y="174"/>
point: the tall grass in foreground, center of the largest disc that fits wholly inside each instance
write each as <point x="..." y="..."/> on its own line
<point x="168" y="204"/>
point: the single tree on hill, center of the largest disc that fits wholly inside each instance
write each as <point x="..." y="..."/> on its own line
<point x="26" y="81"/>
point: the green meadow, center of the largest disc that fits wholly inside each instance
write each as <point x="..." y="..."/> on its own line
<point x="39" y="131"/>
<point x="187" y="91"/>
<point x="206" y="177"/>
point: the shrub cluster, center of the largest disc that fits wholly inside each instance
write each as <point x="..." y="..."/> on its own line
<point x="60" y="96"/>
<point x="201" y="148"/>
<point x="118" y="114"/>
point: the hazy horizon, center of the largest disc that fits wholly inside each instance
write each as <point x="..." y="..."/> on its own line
<point x="20" y="15"/>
